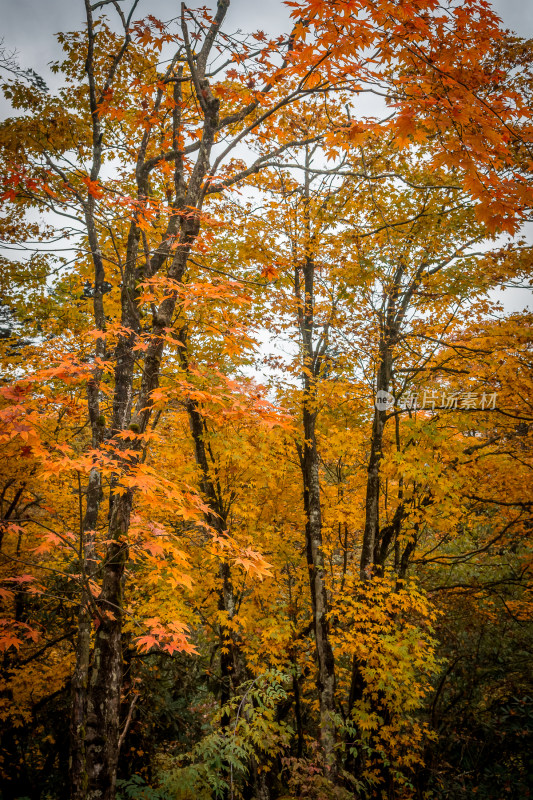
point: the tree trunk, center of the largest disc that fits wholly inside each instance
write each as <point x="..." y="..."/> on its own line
<point x="80" y="678"/>
<point x="317" y="583"/>
<point x="370" y="544"/>
<point x="312" y="356"/>
<point x="105" y="674"/>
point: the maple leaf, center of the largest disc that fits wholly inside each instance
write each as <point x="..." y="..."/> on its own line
<point x="93" y="187"/>
<point x="269" y="272"/>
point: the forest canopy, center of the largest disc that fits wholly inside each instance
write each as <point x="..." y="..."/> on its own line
<point x="265" y="420"/>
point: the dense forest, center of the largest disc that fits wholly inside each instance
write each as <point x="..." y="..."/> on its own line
<point x="265" y="417"/>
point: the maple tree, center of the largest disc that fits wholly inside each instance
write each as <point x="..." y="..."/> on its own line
<point x="267" y="559"/>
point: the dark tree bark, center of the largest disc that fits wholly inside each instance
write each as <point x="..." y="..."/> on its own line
<point x="373" y="486"/>
<point x="312" y="357"/>
<point x="80" y="678"/>
<point x="105" y="674"/>
<point x="317" y="584"/>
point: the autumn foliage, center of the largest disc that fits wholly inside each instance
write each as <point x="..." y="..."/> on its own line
<point x="265" y="419"/>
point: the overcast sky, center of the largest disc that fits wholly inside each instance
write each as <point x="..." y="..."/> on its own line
<point x="28" y="26"/>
